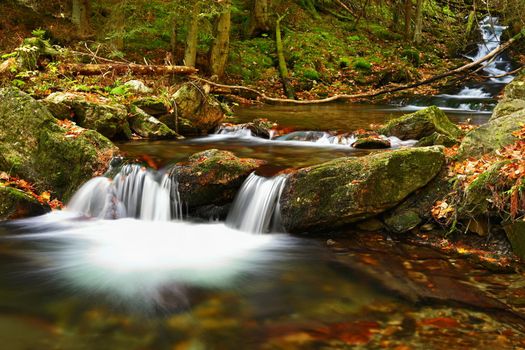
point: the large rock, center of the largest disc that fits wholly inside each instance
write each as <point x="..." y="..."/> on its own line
<point x="347" y="190"/>
<point x="513" y="99"/>
<point x="35" y="147"/>
<point x="197" y="111"/>
<point x="415" y="210"/>
<point x="421" y="124"/>
<point x="15" y="204"/>
<point x="108" y="118"/>
<point x="491" y="136"/>
<point x="148" y="126"/>
<point x="516" y="235"/>
<point x="212" y="177"/>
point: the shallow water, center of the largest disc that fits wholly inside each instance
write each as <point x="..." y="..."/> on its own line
<point x="342" y="118"/>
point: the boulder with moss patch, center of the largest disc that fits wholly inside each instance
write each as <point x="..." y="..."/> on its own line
<point x="348" y="190"/>
<point x="197" y="111"/>
<point x="108" y="118"/>
<point x="35" y="147"/>
<point x="421" y="124"/>
<point x="149" y="127"/>
<point x="491" y="136"/>
<point x="212" y="177"/>
<point x="16" y="204"/>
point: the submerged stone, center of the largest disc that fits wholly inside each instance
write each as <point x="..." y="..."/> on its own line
<point x="15" y="204"/>
<point x="35" y="147"/>
<point x="212" y="177"/>
<point x="347" y="190"/>
<point x="420" y="124"/>
<point x="371" y="142"/>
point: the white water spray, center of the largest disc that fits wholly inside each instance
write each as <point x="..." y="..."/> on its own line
<point x="134" y="192"/>
<point x="256" y="207"/>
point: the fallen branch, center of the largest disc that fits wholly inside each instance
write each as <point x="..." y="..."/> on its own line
<point x="122" y="68"/>
<point x="220" y="88"/>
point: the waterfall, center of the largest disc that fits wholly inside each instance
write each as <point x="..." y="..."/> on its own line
<point x="256" y="206"/>
<point x="134" y="192"/>
<point x="491" y="33"/>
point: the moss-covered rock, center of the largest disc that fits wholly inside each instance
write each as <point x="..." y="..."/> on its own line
<point x="416" y="208"/>
<point x="420" y="124"/>
<point x="152" y="105"/>
<point x="15" y="204"/>
<point x="212" y="177"/>
<point x="491" y="136"/>
<point x="108" y="118"/>
<point x="507" y="107"/>
<point x="347" y="190"/>
<point x="516" y="235"/>
<point x="148" y="126"/>
<point x="197" y="111"/>
<point x="436" y="139"/>
<point x="35" y="147"/>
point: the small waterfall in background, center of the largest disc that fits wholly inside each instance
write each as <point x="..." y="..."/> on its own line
<point x="134" y="192"/>
<point x="491" y="32"/>
<point x="256" y="206"/>
<point x="475" y="96"/>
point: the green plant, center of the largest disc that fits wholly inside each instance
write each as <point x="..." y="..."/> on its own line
<point x="311" y="74"/>
<point x="345" y="62"/>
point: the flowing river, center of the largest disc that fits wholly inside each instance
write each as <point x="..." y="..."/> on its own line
<point x="124" y="268"/>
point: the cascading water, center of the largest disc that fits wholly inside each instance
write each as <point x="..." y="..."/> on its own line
<point x="134" y="192"/>
<point x="256" y="207"/>
<point x="299" y="138"/>
<point x="474" y="96"/>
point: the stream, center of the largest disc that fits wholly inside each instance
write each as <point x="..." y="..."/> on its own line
<point x="124" y="268"/>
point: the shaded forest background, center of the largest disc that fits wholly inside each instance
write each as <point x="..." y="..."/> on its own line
<point x="324" y="44"/>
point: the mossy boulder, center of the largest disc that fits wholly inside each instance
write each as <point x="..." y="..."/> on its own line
<point x="507" y="107"/>
<point x="436" y="139"/>
<point x="197" y="111"/>
<point x="516" y="235"/>
<point x="421" y="124"/>
<point x="108" y="118"/>
<point x="148" y="126"/>
<point x="212" y="177"/>
<point x="516" y="88"/>
<point x="16" y="204"/>
<point x="347" y="190"/>
<point x="491" y="136"/>
<point x="152" y="105"/>
<point x="35" y="147"/>
<point x="415" y="210"/>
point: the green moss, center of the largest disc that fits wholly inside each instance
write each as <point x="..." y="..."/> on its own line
<point x="412" y="55"/>
<point x="355" y="188"/>
<point x="362" y="64"/>
<point x="311" y="74"/>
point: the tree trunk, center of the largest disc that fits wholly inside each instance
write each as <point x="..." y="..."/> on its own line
<point x="190" y="54"/>
<point x="80" y="15"/>
<point x="259" y="20"/>
<point x="173" y="38"/>
<point x="221" y="45"/>
<point x="283" y="70"/>
<point x="408" y="18"/>
<point x="418" y="30"/>
<point x="122" y="68"/>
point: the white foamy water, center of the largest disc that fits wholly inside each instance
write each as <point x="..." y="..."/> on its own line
<point x="134" y="261"/>
<point x="256" y="206"/>
<point x="297" y="138"/>
<point x="469" y="93"/>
